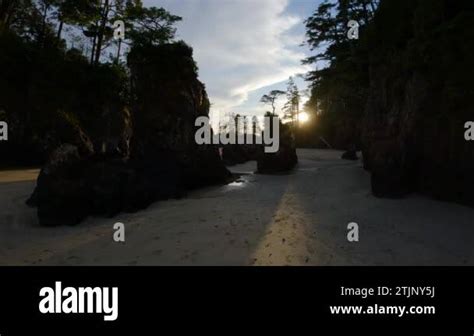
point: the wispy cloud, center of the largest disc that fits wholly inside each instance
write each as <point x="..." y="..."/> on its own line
<point x="240" y="45"/>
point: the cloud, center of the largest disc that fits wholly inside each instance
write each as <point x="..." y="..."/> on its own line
<point x="240" y="46"/>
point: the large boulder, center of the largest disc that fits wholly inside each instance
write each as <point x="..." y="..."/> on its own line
<point x="71" y="187"/>
<point x="60" y="194"/>
<point x="350" y="154"/>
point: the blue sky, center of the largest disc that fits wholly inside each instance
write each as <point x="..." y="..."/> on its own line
<point x="244" y="48"/>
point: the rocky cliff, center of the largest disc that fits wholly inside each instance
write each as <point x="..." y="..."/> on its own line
<point x="160" y="161"/>
<point x="420" y="97"/>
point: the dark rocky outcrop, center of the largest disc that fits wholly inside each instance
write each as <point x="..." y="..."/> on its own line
<point x="160" y="161"/>
<point x="169" y="97"/>
<point x="419" y="100"/>
<point x="350" y="154"/>
<point x="238" y="154"/>
<point x="282" y="161"/>
<point x="61" y="195"/>
<point x="402" y="93"/>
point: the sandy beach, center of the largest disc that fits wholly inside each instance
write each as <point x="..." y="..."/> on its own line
<point x="295" y="219"/>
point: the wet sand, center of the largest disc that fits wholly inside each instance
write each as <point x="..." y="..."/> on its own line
<point x="295" y="219"/>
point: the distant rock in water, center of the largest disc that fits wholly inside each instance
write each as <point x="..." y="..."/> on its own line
<point x="282" y="161"/>
<point x="162" y="160"/>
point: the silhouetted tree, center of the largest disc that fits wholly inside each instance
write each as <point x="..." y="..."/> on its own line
<point x="270" y="99"/>
<point x="292" y="106"/>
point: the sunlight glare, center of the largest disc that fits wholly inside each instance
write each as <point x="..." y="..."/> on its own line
<point x="303" y="117"/>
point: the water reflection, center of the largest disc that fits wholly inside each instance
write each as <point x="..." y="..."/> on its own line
<point x="237" y="183"/>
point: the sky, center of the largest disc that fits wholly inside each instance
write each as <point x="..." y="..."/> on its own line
<point x="243" y="48"/>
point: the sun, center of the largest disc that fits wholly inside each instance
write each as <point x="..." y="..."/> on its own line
<point x="303" y="117"/>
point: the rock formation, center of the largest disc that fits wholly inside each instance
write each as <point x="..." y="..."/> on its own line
<point x="160" y="161"/>
<point x="350" y="154"/>
<point x="419" y="100"/>
<point x="282" y="161"/>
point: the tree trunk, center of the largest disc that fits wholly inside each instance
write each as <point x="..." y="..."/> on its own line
<point x="254" y="131"/>
<point x="372" y="6"/>
<point x="6" y="9"/>
<point x="43" y="25"/>
<point x="101" y="31"/>
<point x="118" y="51"/>
<point x="366" y="14"/>
<point x="60" y="29"/>
<point x="93" y="48"/>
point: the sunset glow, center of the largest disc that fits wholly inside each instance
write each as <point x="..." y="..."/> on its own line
<point x="303" y="117"/>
